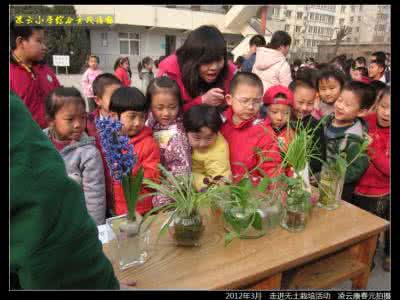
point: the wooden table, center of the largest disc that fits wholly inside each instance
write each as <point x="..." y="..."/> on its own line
<point x="335" y="246"/>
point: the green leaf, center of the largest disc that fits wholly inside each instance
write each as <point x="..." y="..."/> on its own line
<point x="257" y="223"/>
<point x="263" y="185"/>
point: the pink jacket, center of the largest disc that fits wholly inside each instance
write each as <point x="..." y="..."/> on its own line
<point x="272" y="68"/>
<point x="87" y="79"/>
<point x="170" y="67"/>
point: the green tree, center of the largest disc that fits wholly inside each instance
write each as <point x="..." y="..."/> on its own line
<point x="61" y="40"/>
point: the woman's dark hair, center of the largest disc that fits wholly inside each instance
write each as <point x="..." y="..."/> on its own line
<point x="145" y="61"/>
<point x="120" y="61"/>
<point x="203" y="45"/>
<point x="163" y="84"/>
<point x="331" y="72"/>
<point x="61" y="96"/>
<point x="102" y="81"/>
<point x="23" y="31"/>
<point x="202" y="115"/>
<point x="128" y="98"/>
<point x="378" y="86"/>
<point x="279" y="38"/>
<point x="347" y="66"/>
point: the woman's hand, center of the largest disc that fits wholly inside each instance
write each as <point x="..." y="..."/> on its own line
<point x="127" y="284"/>
<point x="214" y="97"/>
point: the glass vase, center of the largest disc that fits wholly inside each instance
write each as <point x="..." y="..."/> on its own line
<point x="130" y="243"/>
<point x="294" y="218"/>
<point x="187" y="230"/>
<point x="330" y="188"/>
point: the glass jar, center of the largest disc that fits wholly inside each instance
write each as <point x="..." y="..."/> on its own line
<point x="130" y="243"/>
<point x="187" y="230"/>
<point x="238" y="219"/>
<point x="294" y="218"/>
<point x="330" y="188"/>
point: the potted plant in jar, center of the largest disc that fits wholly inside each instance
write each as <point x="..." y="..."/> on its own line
<point x="333" y="176"/>
<point x="185" y="223"/>
<point x="131" y="242"/>
<point x="297" y="156"/>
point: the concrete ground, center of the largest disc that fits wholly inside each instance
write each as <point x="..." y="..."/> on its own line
<point x="379" y="279"/>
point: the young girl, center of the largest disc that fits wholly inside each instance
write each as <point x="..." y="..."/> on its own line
<point x="87" y="80"/>
<point x="65" y="111"/>
<point x="330" y="84"/>
<point x="129" y="105"/>
<point x="373" y="190"/>
<point x="145" y="68"/>
<point x="165" y="119"/>
<point x="123" y="71"/>
<point x="210" y="156"/>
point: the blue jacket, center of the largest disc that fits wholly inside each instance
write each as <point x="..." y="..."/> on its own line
<point x="247" y="65"/>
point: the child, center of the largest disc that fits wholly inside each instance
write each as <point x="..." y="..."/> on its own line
<point x="165" y="119"/>
<point x="304" y="95"/>
<point x="87" y="80"/>
<point x="122" y="71"/>
<point x="210" y="156"/>
<point x="279" y="101"/>
<point x="65" y="110"/>
<point x="344" y="132"/>
<point x="129" y="105"/>
<point x="30" y="78"/>
<point x="373" y="190"/>
<point x="245" y="133"/>
<point x="103" y="87"/>
<point x="145" y="69"/>
<point x="330" y="84"/>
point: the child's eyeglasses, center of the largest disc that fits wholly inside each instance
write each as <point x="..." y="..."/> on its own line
<point x="256" y="102"/>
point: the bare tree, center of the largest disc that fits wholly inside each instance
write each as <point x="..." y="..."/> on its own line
<point x="343" y="32"/>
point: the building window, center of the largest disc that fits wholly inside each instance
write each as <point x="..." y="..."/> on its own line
<point x="341" y="21"/>
<point x="288" y="13"/>
<point x="359" y="19"/>
<point x="315" y="29"/>
<point x="351" y="19"/>
<point x="129" y="43"/>
<point x="299" y="15"/>
<point x="357" y="29"/>
<point x="353" y="8"/>
<point x="321" y="18"/>
<point x="309" y="29"/>
<point x="298" y="28"/>
<point x="195" y="7"/>
<point x="311" y="16"/>
<point x="343" y="9"/>
<point x="287" y="28"/>
<point x="360" y="7"/>
<point x="104" y="39"/>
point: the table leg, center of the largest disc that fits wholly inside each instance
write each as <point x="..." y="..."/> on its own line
<point x="271" y="283"/>
<point x="364" y="252"/>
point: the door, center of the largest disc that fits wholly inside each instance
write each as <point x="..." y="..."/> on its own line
<point x="170" y="44"/>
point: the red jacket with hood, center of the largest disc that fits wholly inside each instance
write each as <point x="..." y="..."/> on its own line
<point x="148" y="155"/>
<point x="169" y="66"/>
<point x="376" y="180"/>
<point x="33" y="92"/>
<point x="244" y="139"/>
<point x="123" y="76"/>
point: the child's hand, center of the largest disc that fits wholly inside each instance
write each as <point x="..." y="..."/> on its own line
<point x="214" y="97"/>
<point x="126" y="284"/>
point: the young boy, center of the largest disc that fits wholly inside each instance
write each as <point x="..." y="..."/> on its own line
<point x="373" y="190"/>
<point x="279" y="102"/>
<point x="344" y="131"/>
<point x="245" y="133"/>
<point x="330" y="84"/>
<point x="103" y="87"/>
<point x="30" y="78"/>
<point x="129" y="105"/>
<point x="304" y="95"/>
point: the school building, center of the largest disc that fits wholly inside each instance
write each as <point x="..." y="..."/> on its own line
<point x="156" y="30"/>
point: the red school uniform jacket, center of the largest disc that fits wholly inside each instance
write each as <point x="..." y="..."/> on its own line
<point x="148" y="154"/>
<point x="376" y="180"/>
<point x="169" y="66"/>
<point x="92" y="131"/>
<point x="123" y="76"/>
<point x="33" y="92"/>
<point x="243" y="140"/>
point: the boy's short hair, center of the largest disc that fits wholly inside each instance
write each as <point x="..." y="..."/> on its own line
<point x="102" y="81"/>
<point x="364" y="92"/>
<point x="202" y="115"/>
<point x="380" y="58"/>
<point x="331" y="72"/>
<point x="258" y="41"/>
<point x="128" y="98"/>
<point x="305" y="83"/>
<point x="23" y="31"/>
<point x="246" y="78"/>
